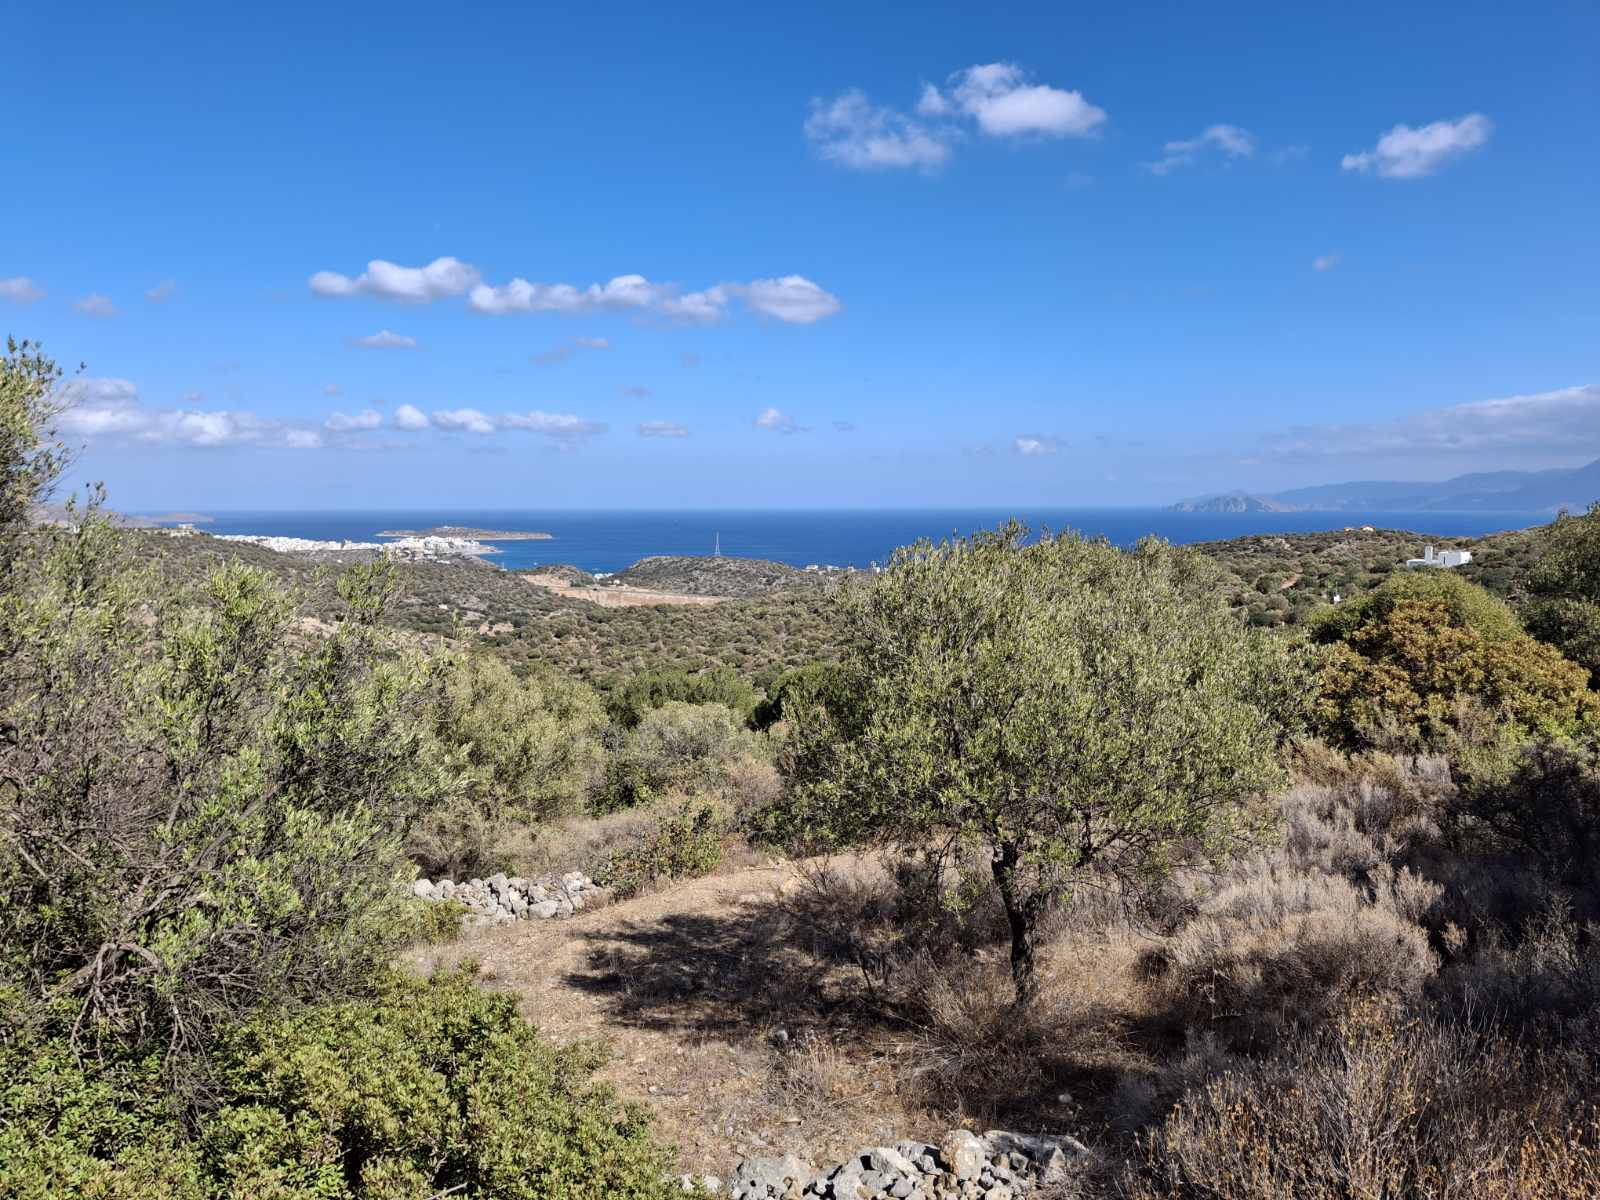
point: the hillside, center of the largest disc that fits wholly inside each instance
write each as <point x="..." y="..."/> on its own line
<point x="704" y="576"/>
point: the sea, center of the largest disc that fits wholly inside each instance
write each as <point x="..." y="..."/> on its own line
<point x="611" y="540"/>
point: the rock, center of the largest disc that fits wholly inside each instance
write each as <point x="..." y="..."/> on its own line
<point x="564" y="908"/>
<point x="498" y="883"/>
<point x="423" y="890"/>
<point x="768" y="1177"/>
<point x="889" y="1161"/>
<point x="962" y="1153"/>
<point x="543" y="910"/>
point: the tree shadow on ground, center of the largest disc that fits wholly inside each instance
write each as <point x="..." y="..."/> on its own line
<point x="831" y="965"/>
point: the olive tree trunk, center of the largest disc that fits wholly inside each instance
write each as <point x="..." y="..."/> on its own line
<point x="1023" y="917"/>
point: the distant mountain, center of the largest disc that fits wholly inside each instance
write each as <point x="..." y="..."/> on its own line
<point x="1485" y="491"/>
<point x="1229" y="502"/>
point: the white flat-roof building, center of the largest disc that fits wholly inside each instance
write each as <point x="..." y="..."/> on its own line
<point x="1433" y="558"/>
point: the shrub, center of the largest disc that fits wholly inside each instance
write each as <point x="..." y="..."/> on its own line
<point x="677" y="747"/>
<point x="684" y="842"/>
<point x="428" y="1088"/>
<point x="1380" y="1105"/>
<point x="1282" y="950"/>
<point x="630" y="702"/>
<point x="1541" y="800"/>
<point x="1417" y="659"/>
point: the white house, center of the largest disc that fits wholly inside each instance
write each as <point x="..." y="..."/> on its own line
<point x="1432" y="558"/>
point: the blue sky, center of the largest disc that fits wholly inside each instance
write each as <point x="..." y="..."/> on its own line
<point x="829" y="255"/>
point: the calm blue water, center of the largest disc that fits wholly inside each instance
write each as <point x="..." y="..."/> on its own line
<point x="612" y="540"/>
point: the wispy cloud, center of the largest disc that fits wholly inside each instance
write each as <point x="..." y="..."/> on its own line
<point x="1036" y="445"/>
<point x="1539" y="423"/>
<point x="110" y="409"/>
<point x="162" y="292"/>
<point x="441" y="278"/>
<point x="562" y="427"/>
<point x="1230" y="141"/>
<point x="366" y="419"/>
<point x="775" y="420"/>
<point x="330" y="389"/>
<point x="854" y="132"/>
<point x="1326" y="262"/>
<point x="1407" y="153"/>
<point x="991" y="99"/>
<point x="20" y="290"/>
<point x="661" y="429"/>
<point x="636" y="392"/>
<point x="95" y="304"/>
<point x="791" y="298"/>
<point x="560" y="354"/>
<point x="385" y="339"/>
<point x="844" y="426"/>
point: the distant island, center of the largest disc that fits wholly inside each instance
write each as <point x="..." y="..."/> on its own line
<point x="469" y="531"/>
<point x="1485" y="491"/>
<point x="182" y="518"/>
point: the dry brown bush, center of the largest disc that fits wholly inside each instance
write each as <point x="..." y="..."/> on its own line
<point x="1379" y="1105"/>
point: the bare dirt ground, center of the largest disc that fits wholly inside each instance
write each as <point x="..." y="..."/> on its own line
<point x="693" y="989"/>
<point x="615" y="597"/>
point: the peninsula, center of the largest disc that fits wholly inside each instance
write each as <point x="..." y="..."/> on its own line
<point x="468" y="531"/>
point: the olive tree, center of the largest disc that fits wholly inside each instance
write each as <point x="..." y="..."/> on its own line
<point x="1086" y="715"/>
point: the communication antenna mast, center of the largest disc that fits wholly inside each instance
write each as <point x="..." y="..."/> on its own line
<point x="716" y="550"/>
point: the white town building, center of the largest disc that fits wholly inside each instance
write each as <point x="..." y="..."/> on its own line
<point x="1432" y="558"/>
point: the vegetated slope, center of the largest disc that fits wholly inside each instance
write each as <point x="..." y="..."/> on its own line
<point x="1279" y="579"/>
<point x="1273" y="579"/>
<point x="529" y="626"/>
<point x="698" y="575"/>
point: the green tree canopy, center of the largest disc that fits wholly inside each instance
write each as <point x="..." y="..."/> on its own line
<point x="1081" y="712"/>
<point x="1562" y="606"/>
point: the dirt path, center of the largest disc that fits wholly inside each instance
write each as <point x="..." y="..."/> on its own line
<point x="689" y="986"/>
<point x="615" y="597"/>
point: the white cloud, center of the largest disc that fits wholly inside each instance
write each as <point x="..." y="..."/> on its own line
<point x="1229" y="140"/>
<point x="557" y="425"/>
<point x="844" y="426"/>
<point x="1326" y="262"/>
<point x="21" y="289"/>
<point x="104" y="409"/>
<point x="1036" y="445"/>
<point x="463" y="420"/>
<point x="386" y="340"/>
<point x="853" y="132"/>
<point x="330" y="389"/>
<point x="625" y="293"/>
<point x="1004" y="104"/>
<point x="366" y="419"/>
<point x="1407" y="153"/>
<point x="777" y="421"/>
<point x="998" y="98"/>
<point x="1554" y="421"/>
<point x="165" y="290"/>
<point x="442" y="278"/>
<point x="793" y="298"/>
<point x="661" y="429"/>
<point x="410" y="418"/>
<point x="637" y="392"/>
<point x="96" y="305"/>
<point x="563" y="427"/>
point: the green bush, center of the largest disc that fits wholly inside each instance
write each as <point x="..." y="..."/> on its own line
<point x="630" y="702"/>
<point x="678" y="747"/>
<point x="428" y="1088"/>
<point x="685" y="842"/>
<point x="1429" y="653"/>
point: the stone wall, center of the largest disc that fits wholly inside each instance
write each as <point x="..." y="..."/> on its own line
<point x="502" y="899"/>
